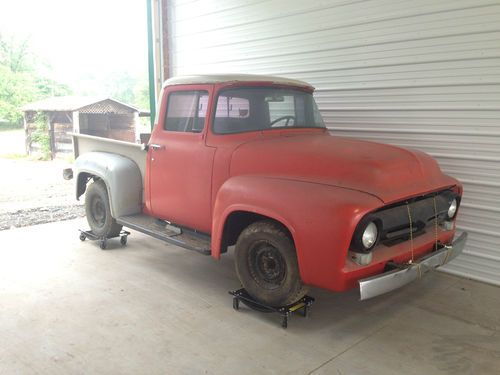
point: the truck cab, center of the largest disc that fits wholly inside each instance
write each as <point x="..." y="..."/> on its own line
<point x="199" y="126"/>
<point x="246" y="161"/>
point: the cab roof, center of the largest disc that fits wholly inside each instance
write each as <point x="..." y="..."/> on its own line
<point x="234" y="78"/>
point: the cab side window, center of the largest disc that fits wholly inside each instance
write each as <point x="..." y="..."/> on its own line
<point x="186" y="111"/>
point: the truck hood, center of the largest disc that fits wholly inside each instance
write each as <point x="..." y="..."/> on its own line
<point x="387" y="172"/>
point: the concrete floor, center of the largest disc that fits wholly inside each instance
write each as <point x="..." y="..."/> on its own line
<point x="67" y="307"/>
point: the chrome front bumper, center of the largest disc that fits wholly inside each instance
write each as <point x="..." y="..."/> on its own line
<point x="406" y="273"/>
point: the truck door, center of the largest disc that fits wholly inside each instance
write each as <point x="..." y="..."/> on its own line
<point x="180" y="162"/>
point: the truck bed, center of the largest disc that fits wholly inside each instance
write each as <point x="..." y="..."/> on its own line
<point x="83" y="143"/>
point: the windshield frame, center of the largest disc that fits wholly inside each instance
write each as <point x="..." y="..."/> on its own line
<point x="223" y="89"/>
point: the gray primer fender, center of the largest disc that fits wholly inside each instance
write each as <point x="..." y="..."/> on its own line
<point x="122" y="177"/>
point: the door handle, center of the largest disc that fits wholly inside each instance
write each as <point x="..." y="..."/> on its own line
<point x="155" y="146"/>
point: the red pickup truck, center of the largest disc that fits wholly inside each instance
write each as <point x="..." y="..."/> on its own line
<point x="247" y="161"/>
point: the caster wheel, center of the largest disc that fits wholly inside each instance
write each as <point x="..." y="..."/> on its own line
<point x="236" y="304"/>
<point x="103" y="244"/>
<point x="83" y="237"/>
<point x="123" y="240"/>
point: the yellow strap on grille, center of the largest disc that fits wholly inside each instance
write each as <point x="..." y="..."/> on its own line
<point x="435" y="225"/>
<point x="436" y="242"/>
<point x="411" y="232"/>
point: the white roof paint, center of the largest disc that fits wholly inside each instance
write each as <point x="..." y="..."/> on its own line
<point x="227" y="78"/>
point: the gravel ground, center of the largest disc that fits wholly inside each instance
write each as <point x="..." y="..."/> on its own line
<point x="41" y="215"/>
<point x="33" y="192"/>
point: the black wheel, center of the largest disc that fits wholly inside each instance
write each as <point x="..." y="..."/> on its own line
<point x="103" y="244"/>
<point x="123" y="240"/>
<point x="83" y="237"/>
<point x="266" y="264"/>
<point x="98" y="211"/>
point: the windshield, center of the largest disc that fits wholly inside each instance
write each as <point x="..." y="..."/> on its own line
<point x="263" y="108"/>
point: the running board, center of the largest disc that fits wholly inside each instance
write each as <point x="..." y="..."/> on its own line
<point x="161" y="230"/>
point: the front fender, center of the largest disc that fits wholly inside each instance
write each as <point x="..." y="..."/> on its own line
<point x="122" y="177"/>
<point x="320" y="218"/>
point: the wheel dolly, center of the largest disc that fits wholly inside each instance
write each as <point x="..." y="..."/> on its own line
<point x="302" y="305"/>
<point x="103" y="241"/>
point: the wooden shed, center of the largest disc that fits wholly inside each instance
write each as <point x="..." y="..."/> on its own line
<point x="106" y="118"/>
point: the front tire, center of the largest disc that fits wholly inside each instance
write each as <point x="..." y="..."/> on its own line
<point x="266" y="264"/>
<point x="98" y="211"/>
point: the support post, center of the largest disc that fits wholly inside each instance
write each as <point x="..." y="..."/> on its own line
<point x="75" y="120"/>
<point x="164" y="24"/>
<point x="151" y="65"/>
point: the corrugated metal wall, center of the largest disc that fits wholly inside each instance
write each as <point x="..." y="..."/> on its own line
<point x="422" y="74"/>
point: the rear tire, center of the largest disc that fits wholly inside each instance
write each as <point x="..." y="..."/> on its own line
<point x="98" y="211"/>
<point x="266" y="264"/>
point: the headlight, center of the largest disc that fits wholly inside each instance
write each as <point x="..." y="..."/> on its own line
<point x="369" y="236"/>
<point x="452" y="210"/>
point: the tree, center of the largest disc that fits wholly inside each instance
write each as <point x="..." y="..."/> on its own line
<point x="120" y="85"/>
<point x="47" y="87"/>
<point x="141" y="93"/>
<point x="16" y="89"/>
<point x="15" y="55"/>
<point x="20" y="80"/>
<point x="128" y="88"/>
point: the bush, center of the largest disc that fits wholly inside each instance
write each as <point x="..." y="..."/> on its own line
<point x="41" y="136"/>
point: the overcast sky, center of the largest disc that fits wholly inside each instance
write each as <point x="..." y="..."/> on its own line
<point x="81" y="37"/>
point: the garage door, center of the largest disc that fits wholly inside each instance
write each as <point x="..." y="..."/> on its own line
<point x="422" y="74"/>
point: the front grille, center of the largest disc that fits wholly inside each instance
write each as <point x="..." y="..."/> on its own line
<point x="394" y="222"/>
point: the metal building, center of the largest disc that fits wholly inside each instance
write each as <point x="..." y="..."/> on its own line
<point x="423" y="74"/>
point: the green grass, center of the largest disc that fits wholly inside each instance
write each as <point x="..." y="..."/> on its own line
<point x="13" y="156"/>
<point x="36" y="156"/>
<point x="6" y="126"/>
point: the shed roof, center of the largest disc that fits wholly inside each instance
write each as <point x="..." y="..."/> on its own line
<point x="226" y="78"/>
<point x="79" y="103"/>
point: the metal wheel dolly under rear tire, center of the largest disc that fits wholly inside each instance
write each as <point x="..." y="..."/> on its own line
<point x="103" y="241"/>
